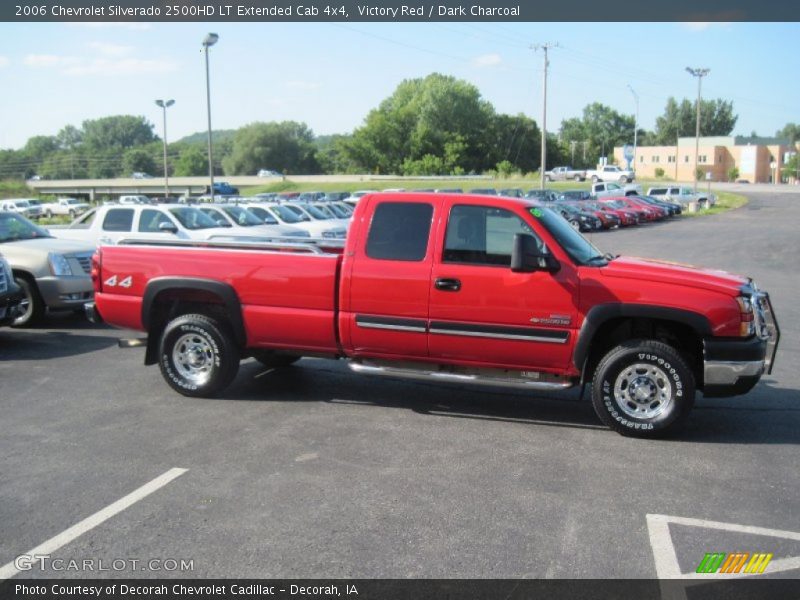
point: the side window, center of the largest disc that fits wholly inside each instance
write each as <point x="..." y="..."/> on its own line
<point x="482" y="235"/>
<point x="150" y="220"/>
<point x="400" y="231"/>
<point x="118" y="219"/>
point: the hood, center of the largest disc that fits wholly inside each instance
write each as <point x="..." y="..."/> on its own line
<point x="46" y="245"/>
<point x="675" y="273"/>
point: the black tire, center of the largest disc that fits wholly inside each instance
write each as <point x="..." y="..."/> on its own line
<point x="71" y="214"/>
<point x="662" y="383"/>
<point x="578" y="178"/>
<point x="32" y="303"/>
<point x="595" y="179"/>
<point x="548" y="178"/>
<point x="272" y="359"/>
<point x="197" y="355"/>
<point x="49" y="214"/>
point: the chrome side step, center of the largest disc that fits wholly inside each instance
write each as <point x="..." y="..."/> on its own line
<point x="131" y="342"/>
<point x="496" y="377"/>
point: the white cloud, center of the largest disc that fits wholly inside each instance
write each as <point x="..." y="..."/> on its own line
<point x="4" y="62"/>
<point x="110" y="49"/>
<point x="306" y="86"/>
<point x="122" y="66"/>
<point x="46" y="61"/>
<point x="75" y="66"/>
<point x="487" y="60"/>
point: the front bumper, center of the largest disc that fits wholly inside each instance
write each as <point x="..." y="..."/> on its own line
<point x="732" y="367"/>
<point x="65" y="292"/>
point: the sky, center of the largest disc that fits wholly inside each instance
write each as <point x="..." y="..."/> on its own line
<point x="330" y="75"/>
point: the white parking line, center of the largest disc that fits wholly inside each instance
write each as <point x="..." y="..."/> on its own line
<point x="65" y="537"/>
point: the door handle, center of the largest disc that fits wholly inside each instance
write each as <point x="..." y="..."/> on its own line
<point x="448" y="285"/>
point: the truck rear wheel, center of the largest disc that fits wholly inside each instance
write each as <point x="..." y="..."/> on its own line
<point x="643" y="388"/>
<point x="197" y="355"/>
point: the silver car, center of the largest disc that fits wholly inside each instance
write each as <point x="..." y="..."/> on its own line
<point x="53" y="273"/>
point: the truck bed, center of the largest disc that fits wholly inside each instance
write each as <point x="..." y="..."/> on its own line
<point x="288" y="293"/>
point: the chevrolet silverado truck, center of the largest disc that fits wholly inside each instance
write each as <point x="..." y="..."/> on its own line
<point x="453" y="288"/>
<point x="565" y="174"/>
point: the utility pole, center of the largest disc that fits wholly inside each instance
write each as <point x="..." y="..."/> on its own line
<point x="635" y="125"/>
<point x="164" y="106"/>
<point x="699" y="73"/>
<point x="572" y="145"/>
<point x="545" y="47"/>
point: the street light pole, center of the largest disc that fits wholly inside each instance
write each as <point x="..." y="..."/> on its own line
<point x="635" y="125"/>
<point x="164" y="106"/>
<point x="699" y="73"/>
<point x="209" y="41"/>
<point x="543" y="167"/>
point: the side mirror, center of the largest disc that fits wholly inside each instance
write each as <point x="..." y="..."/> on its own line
<point x="526" y="256"/>
<point x="167" y="227"/>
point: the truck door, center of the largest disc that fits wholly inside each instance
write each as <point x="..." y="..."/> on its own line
<point x="482" y="312"/>
<point x="386" y="309"/>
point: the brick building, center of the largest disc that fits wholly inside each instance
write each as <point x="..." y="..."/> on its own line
<point x="758" y="159"/>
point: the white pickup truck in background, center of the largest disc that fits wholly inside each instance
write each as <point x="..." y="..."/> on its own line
<point x="610" y="173"/>
<point x="565" y="174"/>
<point x="71" y="207"/>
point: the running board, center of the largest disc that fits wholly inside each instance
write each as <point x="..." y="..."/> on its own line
<point x="531" y="380"/>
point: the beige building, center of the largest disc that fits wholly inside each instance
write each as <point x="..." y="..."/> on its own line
<point x="758" y="159"/>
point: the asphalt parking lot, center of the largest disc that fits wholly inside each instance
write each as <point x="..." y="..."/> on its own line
<point x="312" y="471"/>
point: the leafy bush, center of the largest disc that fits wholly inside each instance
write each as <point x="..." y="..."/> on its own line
<point x="659" y="172"/>
<point x="733" y="174"/>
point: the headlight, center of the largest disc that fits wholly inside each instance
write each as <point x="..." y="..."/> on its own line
<point x="59" y="266"/>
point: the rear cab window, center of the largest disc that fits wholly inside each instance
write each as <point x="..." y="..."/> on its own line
<point x="400" y="231"/>
<point x="118" y="219"/>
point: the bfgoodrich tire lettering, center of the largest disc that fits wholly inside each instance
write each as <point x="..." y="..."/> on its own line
<point x="643" y="388"/>
<point x="197" y="355"/>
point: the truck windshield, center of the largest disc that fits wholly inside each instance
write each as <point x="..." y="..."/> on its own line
<point x="578" y="247"/>
<point x="192" y="218"/>
<point x="14" y="227"/>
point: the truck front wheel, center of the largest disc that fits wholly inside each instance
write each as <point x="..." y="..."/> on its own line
<point x="197" y="355"/>
<point x="643" y="388"/>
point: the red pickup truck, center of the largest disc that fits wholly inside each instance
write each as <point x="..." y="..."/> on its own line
<point x="459" y="288"/>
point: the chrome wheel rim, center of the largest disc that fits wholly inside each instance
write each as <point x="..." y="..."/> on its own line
<point x="25" y="305"/>
<point x="643" y="391"/>
<point x="193" y="358"/>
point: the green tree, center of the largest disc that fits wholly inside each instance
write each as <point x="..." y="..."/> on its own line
<point x="601" y="127"/>
<point x="514" y="138"/>
<point x="419" y="119"/>
<point x="138" y="159"/>
<point x="191" y="162"/>
<point x="790" y="131"/>
<point x="680" y="120"/>
<point x="117" y="132"/>
<point x="792" y="167"/>
<point x="287" y="147"/>
<point x="332" y="154"/>
<point x="69" y="138"/>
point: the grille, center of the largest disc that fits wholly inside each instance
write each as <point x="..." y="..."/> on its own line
<point x="85" y="262"/>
